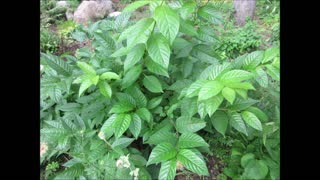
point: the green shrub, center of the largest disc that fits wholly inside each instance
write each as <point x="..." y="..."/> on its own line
<point x="236" y="41"/>
<point x="135" y="103"/>
<point x="49" y="42"/>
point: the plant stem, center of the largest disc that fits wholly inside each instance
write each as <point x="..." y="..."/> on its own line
<point x="108" y="143"/>
<point x="162" y="2"/>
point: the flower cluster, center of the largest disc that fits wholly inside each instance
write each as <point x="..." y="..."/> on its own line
<point x="179" y="166"/>
<point x="135" y="173"/>
<point x="123" y="162"/>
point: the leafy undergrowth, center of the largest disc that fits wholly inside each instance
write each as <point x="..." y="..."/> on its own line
<point x="161" y="97"/>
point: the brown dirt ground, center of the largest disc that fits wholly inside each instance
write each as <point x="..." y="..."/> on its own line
<point x="215" y="167"/>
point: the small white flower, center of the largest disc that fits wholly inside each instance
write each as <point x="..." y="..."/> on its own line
<point x="135" y="172"/>
<point x="179" y="166"/>
<point x="123" y="162"/>
<point x="41" y="67"/>
<point x="101" y="135"/>
<point x="135" y="178"/>
<point x="43" y="148"/>
<point x="119" y="163"/>
<point x="114" y="14"/>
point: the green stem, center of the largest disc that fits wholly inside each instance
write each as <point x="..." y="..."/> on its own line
<point x="108" y="144"/>
<point x="162" y="2"/>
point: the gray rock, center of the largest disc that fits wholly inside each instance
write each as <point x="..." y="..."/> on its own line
<point x="69" y="14"/>
<point x="92" y="10"/>
<point x="63" y="4"/>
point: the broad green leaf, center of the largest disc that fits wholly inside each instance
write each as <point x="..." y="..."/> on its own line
<point x="179" y="85"/>
<point x="106" y="42"/>
<point x="205" y="53"/>
<point x="161" y="153"/>
<point x="276" y="62"/>
<point x="210" y="14"/>
<point x="188" y="28"/>
<point x="168" y="170"/>
<point x="109" y="76"/>
<point x="137" y="160"/>
<point x="240" y="85"/>
<point x="167" y="21"/>
<point x="195" y="87"/>
<point x="135" y="5"/>
<point x="201" y="110"/>
<point x="121" y="124"/>
<point x="187" y="9"/>
<point x="189" y="107"/>
<point x="262" y="77"/>
<point x="138" y="31"/>
<point x="255" y="169"/>
<point x="134" y="56"/>
<point x="155" y="67"/>
<point x="212" y="104"/>
<point x="229" y="94"/>
<point x="192" y="162"/>
<point x="246" y="159"/>
<point x="207" y="34"/>
<point x="273" y="72"/>
<point x="107" y="127"/>
<point x="220" y="122"/>
<point x="242" y="92"/>
<point x="189" y="125"/>
<point x="259" y="113"/>
<point x="86" y="68"/>
<point x="140" y="99"/>
<point x="57" y="64"/>
<point x="153" y="103"/>
<point x="50" y="81"/>
<point x="73" y="107"/>
<point x="163" y="135"/>
<point x="71" y="172"/>
<point x="152" y="84"/>
<point x="209" y="90"/>
<point x="121" y="52"/>
<point x="79" y="36"/>
<point x="214" y="71"/>
<point x="126" y="98"/>
<point x="135" y="126"/>
<point x="94" y="79"/>
<point x="154" y="5"/>
<point x="144" y="114"/>
<point x="270" y="54"/>
<point x="84" y="52"/>
<point x="159" y="50"/>
<point x="187" y="69"/>
<point x="105" y="89"/>
<point x="252" y="60"/>
<point x="122" y="143"/>
<point x="84" y="86"/>
<point x="241" y="104"/>
<point x="191" y="140"/>
<point x="131" y="76"/>
<point x="237" y="123"/>
<point x="251" y="120"/>
<point x="121" y="107"/>
<point x="235" y="76"/>
<point x="120" y="22"/>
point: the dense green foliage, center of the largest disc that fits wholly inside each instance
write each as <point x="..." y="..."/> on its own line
<point x="145" y="99"/>
<point x="49" y="41"/>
